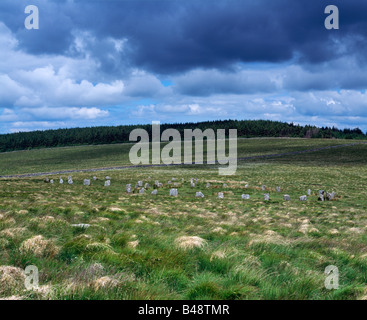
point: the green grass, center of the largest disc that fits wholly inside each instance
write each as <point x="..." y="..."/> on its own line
<point x="251" y="249"/>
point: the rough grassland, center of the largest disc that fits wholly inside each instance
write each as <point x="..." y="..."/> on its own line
<point x="161" y="247"/>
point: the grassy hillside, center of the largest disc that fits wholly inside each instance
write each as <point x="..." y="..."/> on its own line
<point x="133" y="249"/>
<point x="86" y="157"/>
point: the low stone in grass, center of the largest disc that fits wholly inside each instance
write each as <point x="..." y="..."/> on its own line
<point x="140" y="183"/>
<point x="155" y="192"/>
<point x="225" y="185"/>
<point x="108" y="178"/>
<point x="86" y="182"/>
<point x="199" y="195"/>
<point x="286" y="197"/>
<point x="173" y="192"/>
<point x="81" y="225"/>
<point x="107" y="183"/>
<point x="303" y="198"/>
<point x="192" y="185"/>
<point x="263" y="188"/>
<point x="245" y="196"/>
<point x="246" y="185"/>
<point x="208" y="185"/>
<point x="142" y="191"/>
<point x="94" y="178"/>
<point x="330" y="196"/>
<point x="47" y="180"/>
<point x="266" y="197"/>
<point x="220" y="195"/>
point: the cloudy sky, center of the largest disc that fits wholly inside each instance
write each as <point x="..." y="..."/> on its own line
<point x="116" y="62"/>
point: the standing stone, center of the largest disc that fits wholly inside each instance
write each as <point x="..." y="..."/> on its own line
<point x="173" y="192"/>
<point x="245" y="196"/>
<point x="321" y="197"/>
<point x="266" y="197"/>
<point x="330" y="196"/>
<point x="129" y="189"/>
<point x="94" y="178"/>
<point x="61" y="181"/>
<point x="146" y="186"/>
<point x="173" y="179"/>
<point x="321" y="192"/>
<point x="309" y="192"/>
<point x="52" y="181"/>
<point x="156" y="183"/>
<point x="47" y="180"/>
<point x="155" y="191"/>
<point x="108" y="178"/>
<point x="86" y="182"/>
<point x="70" y="180"/>
<point x="196" y="180"/>
<point x="142" y="191"/>
<point x="199" y="195"/>
<point x="303" y="198"/>
<point x="169" y="182"/>
<point x="286" y="197"/>
<point x="192" y="185"/>
<point x="140" y="183"/>
<point x="220" y="195"/>
<point x="278" y="189"/>
<point x="107" y="183"/>
<point x="208" y="185"/>
<point x="263" y="188"/>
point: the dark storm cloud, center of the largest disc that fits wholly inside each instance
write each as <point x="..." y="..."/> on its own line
<point x="176" y="36"/>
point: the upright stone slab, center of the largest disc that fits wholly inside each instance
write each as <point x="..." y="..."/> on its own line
<point x="330" y="196"/>
<point x="146" y="186"/>
<point x="61" y="181"/>
<point x="192" y="185"/>
<point x="303" y="198"/>
<point x="309" y="192"/>
<point x="128" y="188"/>
<point x="155" y="192"/>
<point x="70" y="180"/>
<point x="321" y="197"/>
<point x="278" y="189"/>
<point x="140" y="184"/>
<point x="107" y="183"/>
<point x="199" y="195"/>
<point x="86" y="182"/>
<point x="245" y="196"/>
<point x="266" y="197"/>
<point x="94" y="178"/>
<point x="286" y="197"/>
<point x="220" y="195"/>
<point x="156" y="183"/>
<point x="51" y="181"/>
<point x="142" y="191"/>
<point x="173" y="192"/>
<point x="263" y="188"/>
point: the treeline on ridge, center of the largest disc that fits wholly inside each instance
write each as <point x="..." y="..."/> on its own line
<point x="120" y="134"/>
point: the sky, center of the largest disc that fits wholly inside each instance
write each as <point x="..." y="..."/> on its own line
<point x="116" y="62"/>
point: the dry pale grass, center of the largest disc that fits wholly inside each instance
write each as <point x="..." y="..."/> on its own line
<point x="11" y="279"/>
<point x="39" y="246"/>
<point x="13" y="232"/>
<point x="187" y="242"/>
<point x="269" y="236"/>
<point x="105" y="282"/>
<point x="133" y="244"/>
